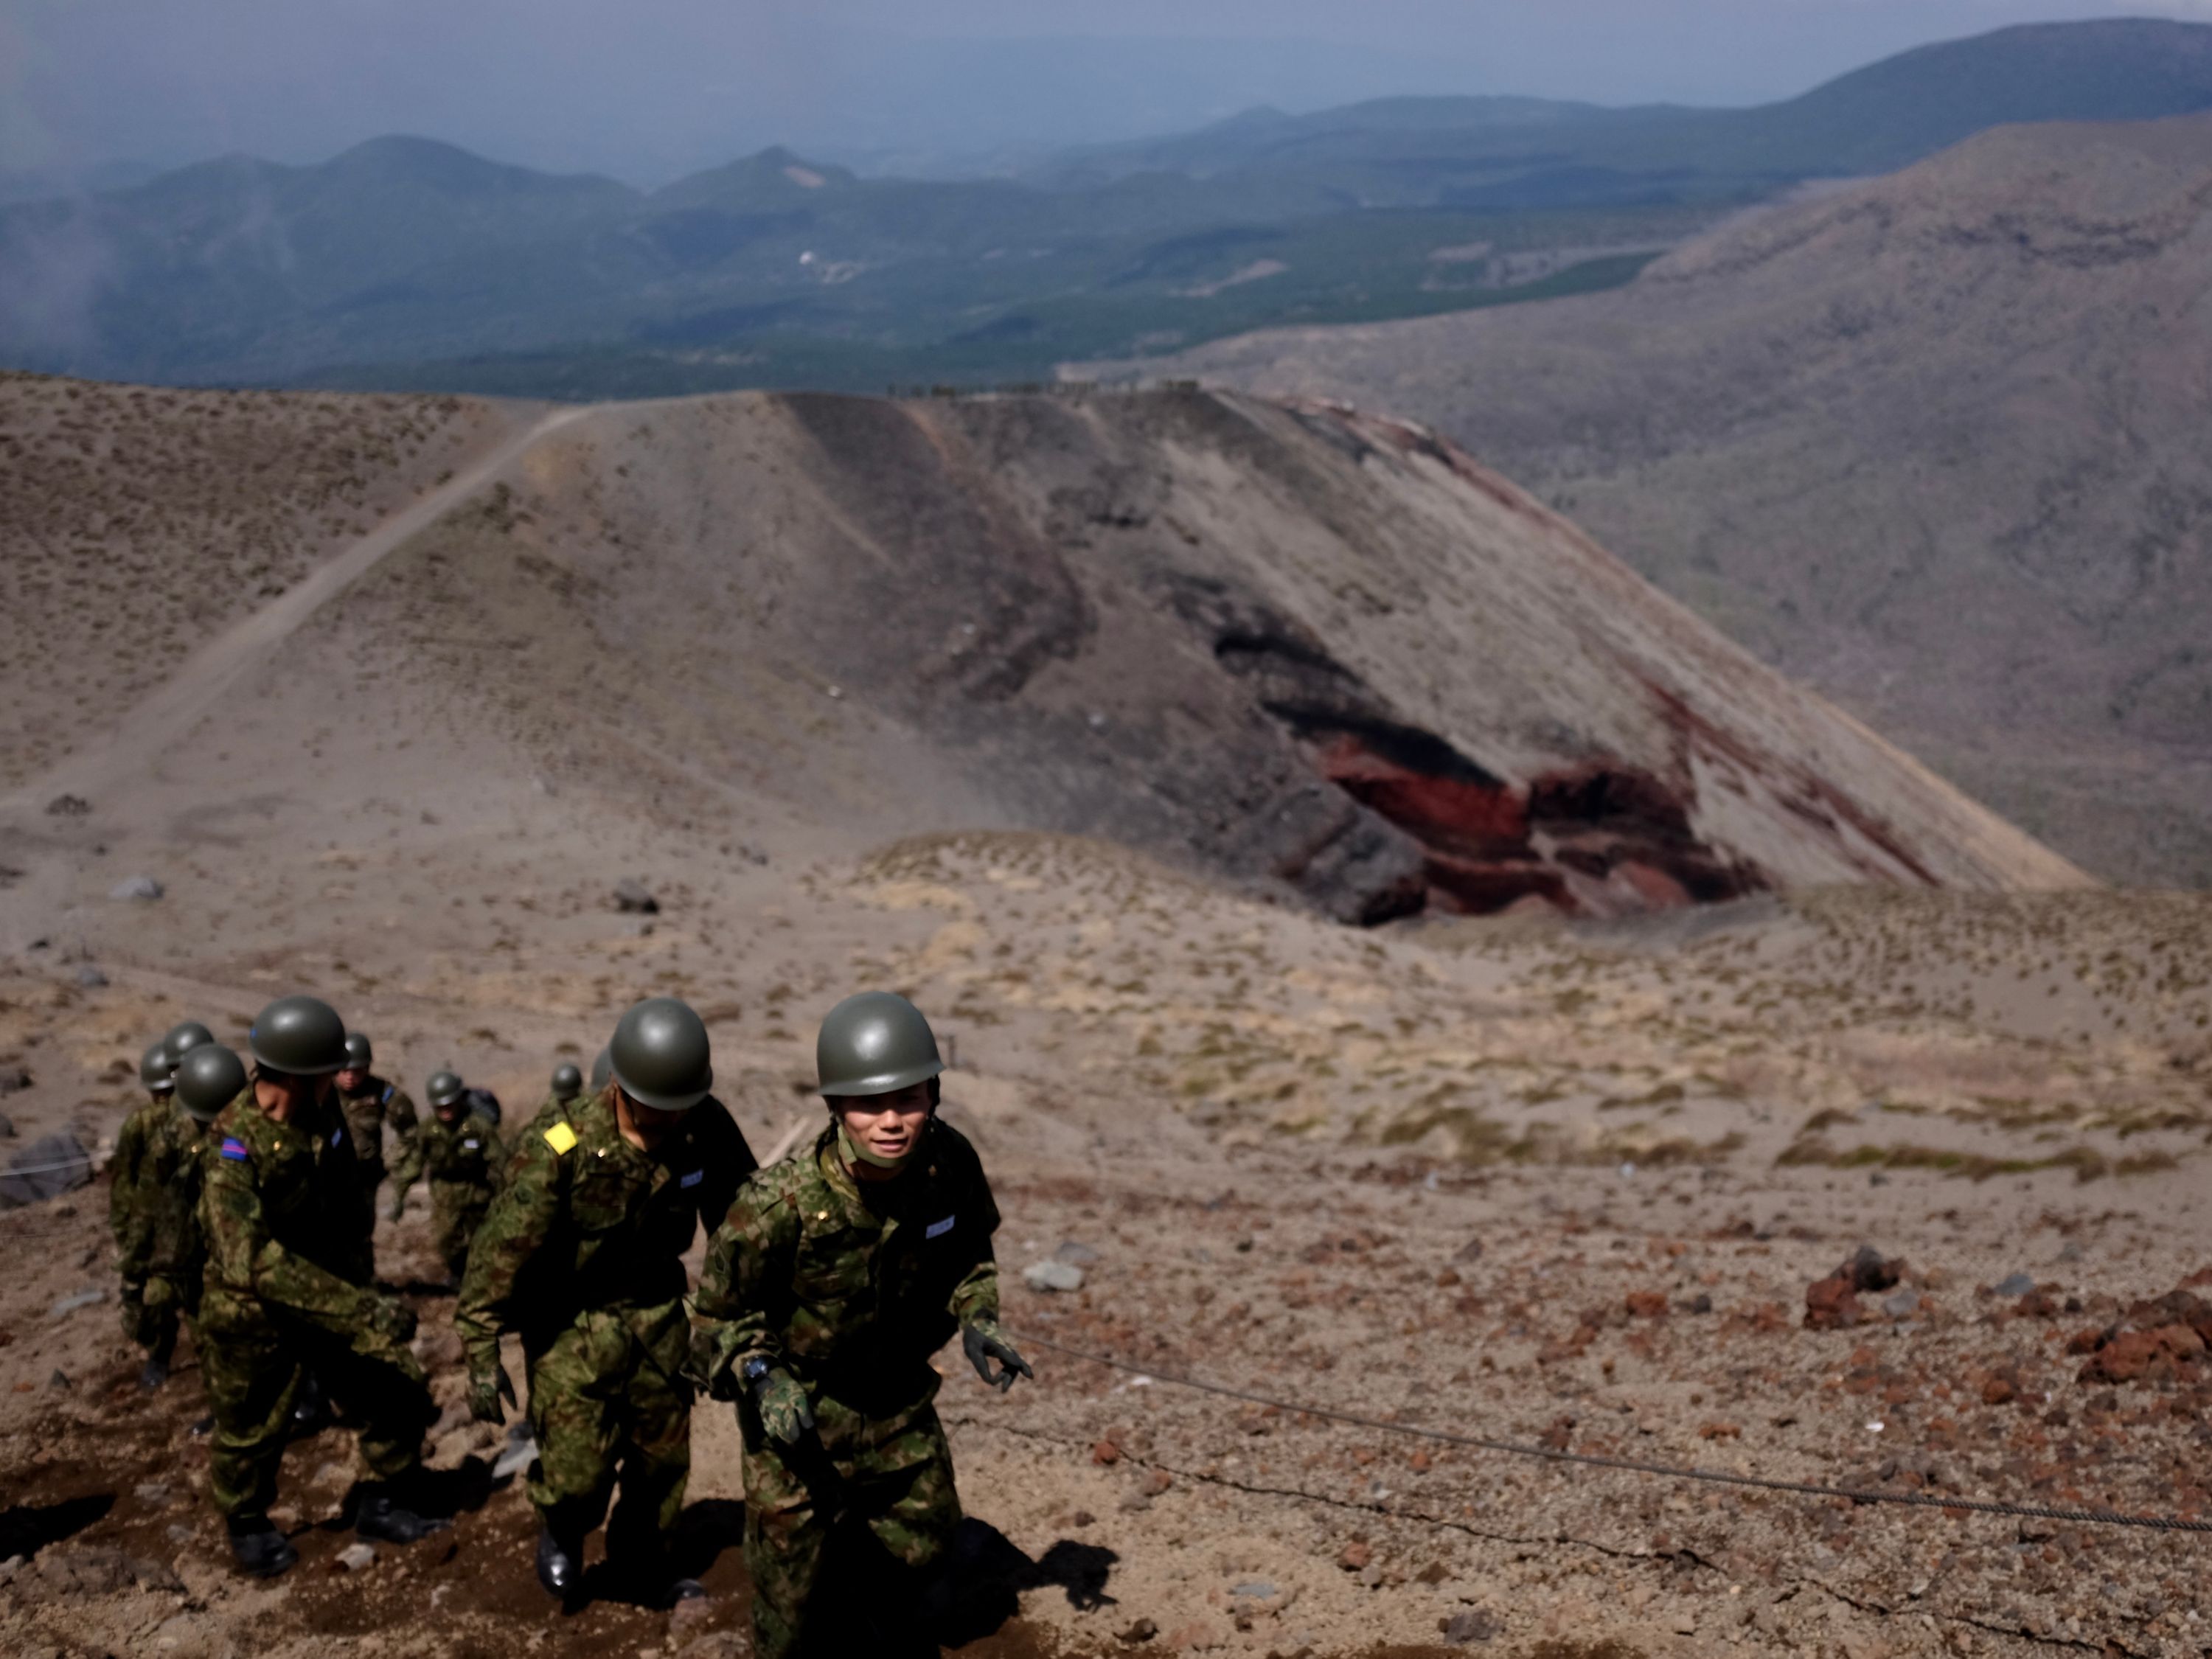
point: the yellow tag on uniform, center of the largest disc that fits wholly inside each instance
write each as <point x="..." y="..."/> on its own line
<point x="561" y="1138"/>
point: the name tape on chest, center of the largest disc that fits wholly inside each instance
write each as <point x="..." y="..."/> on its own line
<point x="470" y="1145"/>
<point x="939" y="1229"/>
<point x="693" y="1179"/>
<point x="561" y="1138"/>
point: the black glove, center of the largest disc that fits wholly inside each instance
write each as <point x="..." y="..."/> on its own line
<point x="982" y="1342"/>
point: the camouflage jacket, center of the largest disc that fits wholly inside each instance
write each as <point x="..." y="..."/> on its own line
<point x="367" y="1113"/>
<point x="584" y="1220"/>
<point x="852" y="1288"/>
<point x="465" y="1152"/>
<point x="280" y="1207"/>
<point x="154" y="1204"/>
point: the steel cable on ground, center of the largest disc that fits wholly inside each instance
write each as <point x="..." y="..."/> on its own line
<point x="1634" y="1465"/>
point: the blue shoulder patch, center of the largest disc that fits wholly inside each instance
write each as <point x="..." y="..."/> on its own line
<point x="693" y="1179"/>
<point x="235" y="1149"/>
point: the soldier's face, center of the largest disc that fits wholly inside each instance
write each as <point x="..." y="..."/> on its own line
<point x="641" y="1125"/>
<point x="352" y="1078"/>
<point x="279" y="1094"/>
<point x="890" y="1125"/>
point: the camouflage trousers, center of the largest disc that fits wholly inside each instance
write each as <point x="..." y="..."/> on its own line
<point x="152" y="1328"/>
<point x="608" y="1403"/>
<point x="803" y="1515"/>
<point x="456" y="1209"/>
<point x="252" y="1360"/>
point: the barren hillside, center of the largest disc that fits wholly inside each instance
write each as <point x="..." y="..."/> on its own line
<point x="140" y="520"/>
<point x="1930" y="445"/>
<point x="1561" y="1180"/>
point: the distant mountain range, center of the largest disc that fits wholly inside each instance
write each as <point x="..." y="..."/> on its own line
<point x="1933" y="444"/>
<point x="407" y="262"/>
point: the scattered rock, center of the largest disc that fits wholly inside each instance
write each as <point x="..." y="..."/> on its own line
<point x="142" y="888"/>
<point x="68" y="806"/>
<point x="1105" y="1453"/>
<point x="1869" y="1270"/>
<point x="1257" y="1590"/>
<point x="2071" y="1250"/>
<point x="1470" y="1251"/>
<point x="2015" y="1285"/>
<point x="89" y="977"/>
<point x="1474" y="1625"/>
<point x="1901" y="1303"/>
<point x="1156" y="1482"/>
<point x="1053" y="1276"/>
<point x="14" y="1079"/>
<point x="1699" y="1304"/>
<point x="356" y="1557"/>
<point x="633" y="898"/>
<point x="1140" y="1632"/>
<point x="1356" y="1557"/>
<point x="1075" y="1255"/>
<point x="49" y="1166"/>
<point x="1830" y="1304"/>
<point x="1199" y="1636"/>
<point x="102" y="1570"/>
<point x="1647" y="1304"/>
<point x="59" y="1382"/>
<point x="692" y="1613"/>
<point x="69" y="1303"/>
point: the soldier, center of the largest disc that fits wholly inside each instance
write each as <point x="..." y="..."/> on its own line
<point x="582" y="1253"/>
<point x="143" y="1208"/>
<point x="837" y="1276"/>
<point x="288" y="1288"/>
<point x="567" y="1083"/>
<point x="369" y="1103"/>
<point x="458" y="1148"/>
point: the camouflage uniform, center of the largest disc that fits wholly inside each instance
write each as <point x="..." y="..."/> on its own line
<point x="850" y="1289"/>
<point x="287" y="1287"/>
<point x="367" y="1113"/>
<point x="463" y="1160"/>
<point x="154" y="1208"/>
<point x="582" y="1254"/>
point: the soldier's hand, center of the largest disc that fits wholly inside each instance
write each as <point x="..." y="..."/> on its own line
<point x="486" y="1390"/>
<point x="389" y="1317"/>
<point x="785" y="1416"/>
<point x="982" y="1342"/>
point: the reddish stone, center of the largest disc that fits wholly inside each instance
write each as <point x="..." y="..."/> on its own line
<point x="1995" y="1391"/>
<point x="1831" y="1305"/>
<point x="1105" y="1452"/>
<point x="1356" y="1557"/>
<point x="1647" y="1304"/>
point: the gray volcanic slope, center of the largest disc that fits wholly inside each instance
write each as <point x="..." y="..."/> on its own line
<point x="1320" y="653"/>
<point x="1933" y="444"/>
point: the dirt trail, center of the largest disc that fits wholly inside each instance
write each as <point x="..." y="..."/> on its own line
<point x="155" y="724"/>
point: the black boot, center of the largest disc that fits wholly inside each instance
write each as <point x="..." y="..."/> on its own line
<point x="560" y="1564"/>
<point x="155" y="1374"/>
<point x="386" y="1513"/>
<point x="311" y="1413"/>
<point x="260" y="1550"/>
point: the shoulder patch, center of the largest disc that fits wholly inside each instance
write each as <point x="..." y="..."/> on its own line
<point x="561" y="1138"/>
<point x="235" y="1149"/>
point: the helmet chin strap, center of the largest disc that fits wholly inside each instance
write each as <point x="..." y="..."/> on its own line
<point x="855" y="1153"/>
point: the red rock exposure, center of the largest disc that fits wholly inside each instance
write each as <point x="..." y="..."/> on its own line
<point x="1593" y="840"/>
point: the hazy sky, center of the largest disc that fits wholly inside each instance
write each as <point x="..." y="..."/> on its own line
<point x="646" y="89"/>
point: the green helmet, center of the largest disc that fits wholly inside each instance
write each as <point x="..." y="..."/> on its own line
<point x="299" y="1035"/>
<point x="360" y="1054"/>
<point x="444" y="1088"/>
<point x="183" y="1039"/>
<point x="568" y="1082"/>
<point x="873" y="1043"/>
<point x="603" y="1067"/>
<point x="209" y="1078"/>
<point x="661" y="1055"/>
<point x="157" y="1069"/>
